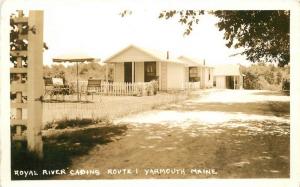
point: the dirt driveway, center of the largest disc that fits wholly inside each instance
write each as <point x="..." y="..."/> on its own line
<point x="225" y="134"/>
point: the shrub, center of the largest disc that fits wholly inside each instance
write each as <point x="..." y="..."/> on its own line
<point x="71" y="123"/>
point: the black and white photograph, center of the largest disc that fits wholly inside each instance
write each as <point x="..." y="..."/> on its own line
<point x="99" y="90"/>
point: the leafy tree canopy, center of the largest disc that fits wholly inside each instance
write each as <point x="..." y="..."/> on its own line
<point x="263" y="35"/>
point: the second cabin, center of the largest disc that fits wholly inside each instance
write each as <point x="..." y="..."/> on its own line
<point x="136" y="64"/>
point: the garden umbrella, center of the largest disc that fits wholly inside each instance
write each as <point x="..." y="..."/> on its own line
<point x="74" y="58"/>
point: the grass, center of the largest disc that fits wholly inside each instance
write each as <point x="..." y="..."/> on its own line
<point x="111" y="106"/>
<point x="58" y="150"/>
<point x="71" y="123"/>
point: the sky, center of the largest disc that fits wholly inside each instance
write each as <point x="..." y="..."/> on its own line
<point x="100" y="31"/>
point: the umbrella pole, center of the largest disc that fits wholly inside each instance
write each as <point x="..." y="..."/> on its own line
<point x="77" y="81"/>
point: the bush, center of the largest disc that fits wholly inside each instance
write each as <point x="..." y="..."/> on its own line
<point x="285" y="85"/>
<point x="265" y="76"/>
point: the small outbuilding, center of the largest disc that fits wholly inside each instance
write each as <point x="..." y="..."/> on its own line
<point x="197" y="71"/>
<point x="228" y="76"/>
<point x="137" y="64"/>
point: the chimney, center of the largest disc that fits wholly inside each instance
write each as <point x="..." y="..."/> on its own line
<point x="204" y="62"/>
<point x="167" y="55"/>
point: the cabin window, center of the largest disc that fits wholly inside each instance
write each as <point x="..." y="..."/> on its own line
<point x="193" y="74"/>
<point x="150" y="71"/>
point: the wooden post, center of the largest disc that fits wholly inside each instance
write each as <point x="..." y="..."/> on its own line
<point x="133" y="72"/>
<point x="115" y="67"/>
<point x="234" y="82"/>
<point x="77" y="81"/>
<point x="35" y="87"/>
<point x="106" y="72"/>
<point x="241" y="77"/>
<point x="204" y="77"/>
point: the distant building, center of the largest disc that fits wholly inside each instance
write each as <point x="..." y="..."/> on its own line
<point x="228" y="76"/>
<point x="197" y="71"/>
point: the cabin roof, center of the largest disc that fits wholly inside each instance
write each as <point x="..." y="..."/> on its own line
<point x="227" y="70"/>
<point x="158" y="55"/>
<point x="189" y="62"/>
<point x="193" y="62"/>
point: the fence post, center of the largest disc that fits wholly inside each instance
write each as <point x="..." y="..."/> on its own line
<point x="35" y="83"/>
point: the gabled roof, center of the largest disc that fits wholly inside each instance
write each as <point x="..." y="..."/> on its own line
<point x="189" y="62"/>
<point x="227" y="70"/>
<point x="158" y="55"/>
<point x="193" y="62"/>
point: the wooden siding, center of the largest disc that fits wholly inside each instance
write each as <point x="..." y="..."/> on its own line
<point x="164" y="73"/>
<point x="209" y="81"/>
<point x="186" y="74"/>
<point x="157" y="69"/>
<point x="139" y="72"/>
<point x="175" y="76"/>
<point x="220" y="82"/>
<point x="119" y="76"/>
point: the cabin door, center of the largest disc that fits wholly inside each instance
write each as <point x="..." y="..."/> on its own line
<point x="229" y="82"/>
<point x="128" y="72"/>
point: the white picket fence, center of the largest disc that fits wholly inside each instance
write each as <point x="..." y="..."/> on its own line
<point x="126" y="89"/>
<point x="119" y="88"/>
<point x="192" y="85"/>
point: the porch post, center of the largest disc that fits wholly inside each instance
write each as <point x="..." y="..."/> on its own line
<point x="234" y="82"/>
<point x="106" y="72"/>
<point x="204" y="77"/>
<point x="115" y="71"/>
<point x="241" y="82"/>
<point x="133" y="72"/>
<point x="159" y="75"/>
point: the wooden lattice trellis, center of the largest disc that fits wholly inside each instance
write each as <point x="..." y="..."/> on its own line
<point x="27" y="79"/>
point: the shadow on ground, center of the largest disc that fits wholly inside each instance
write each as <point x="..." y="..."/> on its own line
<point x="269" y="93"/>
<point x="59" y="150"/>
<point x="279" y="108"/>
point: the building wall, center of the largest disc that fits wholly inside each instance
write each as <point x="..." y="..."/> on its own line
<point x="163" y="75"/>
<point x="201" y="72"/>
<point x="220" y="82"/>
<point x="241" y="81"/>
<point x="139" y="72"/>
<point x="119" y="72"/>
<point x="209" y="77"/>
<point x="186" y="74"/>
<point x="175" y="76"/>
<point x="171" y="75"/>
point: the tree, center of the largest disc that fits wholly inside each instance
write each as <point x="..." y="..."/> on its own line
<point x="186" y="17"/>
<point x="263" y="35"/>
<point x="17" y="44"/>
